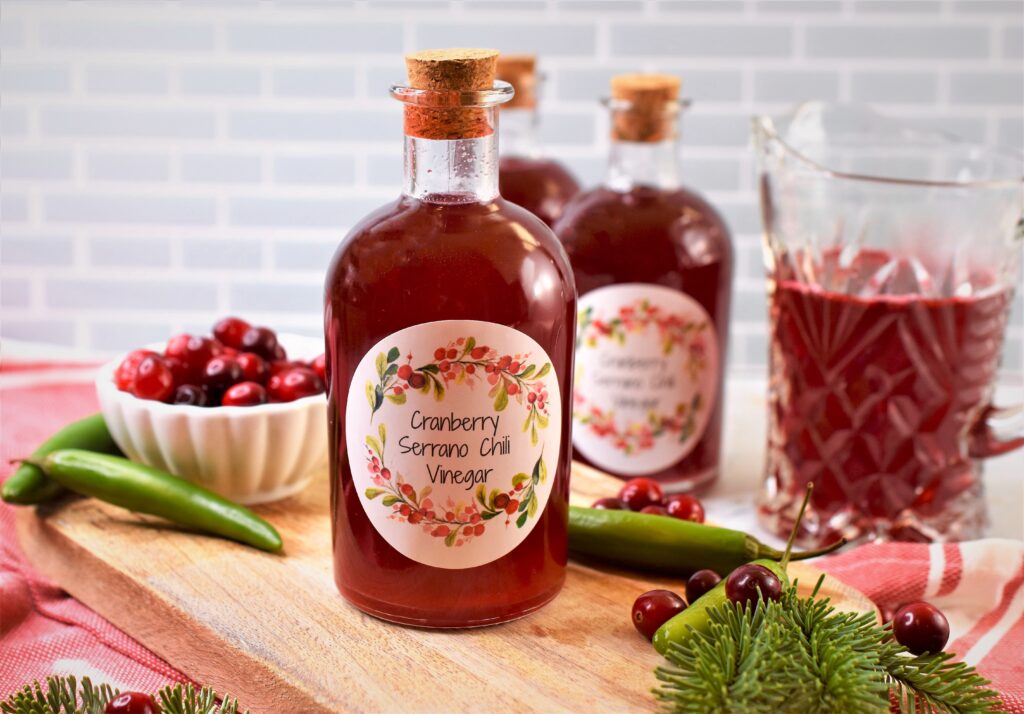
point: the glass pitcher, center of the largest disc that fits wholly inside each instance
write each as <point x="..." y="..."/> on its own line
<point x="892" y="254"/>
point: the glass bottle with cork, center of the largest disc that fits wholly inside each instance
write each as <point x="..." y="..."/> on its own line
<point x="539" y="184"/>
<point x="653" y="265"/>
<point x="449" y="320"/>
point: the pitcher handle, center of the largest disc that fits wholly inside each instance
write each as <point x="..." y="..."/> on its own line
<point x="998" y="431"/>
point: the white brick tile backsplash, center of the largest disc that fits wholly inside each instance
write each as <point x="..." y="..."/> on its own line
<point x="35" y="250"/>
<point x="315" y="169"/>
<point x="550" y="39"/>
<point x="34" y="78"/>
<point x="221" y="167"/>
<point x="39" y="164"/>
<point x="987" y="88"/>
<point x="221" y="254"/>
<point x="134" y="294"/>
<point x="111" y="35"/>
<point x="130" y="252"/>
<point x="795" y="85"/>
<point x="15" y="292"/>
<point x="126" y="79"/>
<point x="220" y="81"/>
<point x="356" y="38"/>
<point x="51" y="332"/>
<point x="326" y="81"/>
<point x="121" y="166"/>
<point x="297" y="296"/>
<point x="694" y="40"/>
<point x="313" y="256"/>
<point x="913" y="41"/>
<point x="114" y="208"/>
<point x="894" y="87"/>
<point x="164" y="162"/>
<point x="119" y="123"/>
<point x="125" y="336"/>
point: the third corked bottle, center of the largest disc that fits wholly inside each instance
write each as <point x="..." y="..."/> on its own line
<point x="653" y="265"/>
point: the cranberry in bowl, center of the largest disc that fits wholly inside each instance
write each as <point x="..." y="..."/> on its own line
<point x="210" y="413"/>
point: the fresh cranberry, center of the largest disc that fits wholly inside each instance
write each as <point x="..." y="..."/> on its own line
<point x="194" y="352"/>
<point x="284" y="365"/>
<point x="153" y="379"/>
<point x="178" y="369"/>
<point x="685" y="507"/>
<point x="319" y="365"/>
<point x="294" y="384"/>
<point x="639" y="492"/>
<point x="254" y="367"/>
<point x="220" y="373"/>
<point x="124" y="375"/>
<point x="654" y="510"/>
<point x="653" y="609"/>
<point x="921" y="628"/>
<point x="262" y="341"/>
<point x="744" y="583"/>
<point x="230" y="331"/>
<point x="191" y="395"/>
<point x="279" y="352"/>
<point x="701" y="582"/>
<point x="244" y="394"/>
<point x="610" y="504"/>
<point x="131" y="703"/>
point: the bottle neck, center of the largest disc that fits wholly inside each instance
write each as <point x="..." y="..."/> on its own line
<point x="457" y="170"/>
<point x="641" y="163"/>
<point x="519" y="132"/>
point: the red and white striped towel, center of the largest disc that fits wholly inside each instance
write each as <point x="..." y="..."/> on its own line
<point x="978" y="585"/>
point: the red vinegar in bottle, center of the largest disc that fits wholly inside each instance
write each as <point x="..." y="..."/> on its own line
<point x="653" y="266"/>
<point x="539" y="184"/>
<point x="449" y="317"/>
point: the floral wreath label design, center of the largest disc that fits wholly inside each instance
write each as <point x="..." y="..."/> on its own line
<point x="452" y="430"/>
<point x="647" y="367"/>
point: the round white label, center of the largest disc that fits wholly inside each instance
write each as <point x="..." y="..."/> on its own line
<point x="646" y="374"/>
<point x="451" y="430"/>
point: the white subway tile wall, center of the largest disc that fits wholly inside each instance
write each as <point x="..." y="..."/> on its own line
<point x="165" y="163"/>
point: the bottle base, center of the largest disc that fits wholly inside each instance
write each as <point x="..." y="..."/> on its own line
<point x="414" y="617"/>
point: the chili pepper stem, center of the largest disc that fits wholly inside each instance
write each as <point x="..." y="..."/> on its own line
<point x="808" y="554"/>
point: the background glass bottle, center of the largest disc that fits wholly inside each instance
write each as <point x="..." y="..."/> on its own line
<point x="653" y="264"/>
<point x="540" y="185"/>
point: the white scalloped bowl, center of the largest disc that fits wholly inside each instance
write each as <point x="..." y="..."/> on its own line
<point x="248" y="454"/>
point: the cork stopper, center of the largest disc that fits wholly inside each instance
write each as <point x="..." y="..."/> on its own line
<point x="454" y="71"/>
<point x="645" y="118"/>
<point x="521" y="72"/>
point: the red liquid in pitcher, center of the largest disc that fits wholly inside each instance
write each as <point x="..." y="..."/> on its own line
<point x="415" y="262"/>
<point x="873" y="399"/>
<point x="669" y="238"/>
<point x="541" y="186"/>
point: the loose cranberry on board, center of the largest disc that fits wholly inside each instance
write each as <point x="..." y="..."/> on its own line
<point x="745" y="582"/>
<point x="654" y="510"/>
<point x="685" y="507"/>
<point x="639" y="492"/>
<point x="610" y="504"/>
<point x="701" y="582"/>
<point x="654" y="608"/>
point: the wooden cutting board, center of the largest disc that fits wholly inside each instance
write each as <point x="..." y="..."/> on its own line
<point x="273" y="630"/>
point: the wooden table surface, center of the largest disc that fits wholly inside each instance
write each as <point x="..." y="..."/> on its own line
<point x="274" y="631"/>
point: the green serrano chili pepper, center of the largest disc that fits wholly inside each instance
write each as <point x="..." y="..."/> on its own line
<point x="29" y="485"/>
<point x="147" y="490"/>
<point x="666" y="544"/>
<point x="694" y="618"/>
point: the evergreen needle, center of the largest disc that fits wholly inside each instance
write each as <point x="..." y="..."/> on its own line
<point x="63" y="695"/>
<point x="802" y="655"/>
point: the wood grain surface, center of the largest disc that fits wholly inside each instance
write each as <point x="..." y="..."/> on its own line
<point x="274" y="631"/>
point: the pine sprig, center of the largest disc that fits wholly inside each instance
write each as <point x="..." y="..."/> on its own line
<point x="801" y="655"/>
<point x="63" y="695"/>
